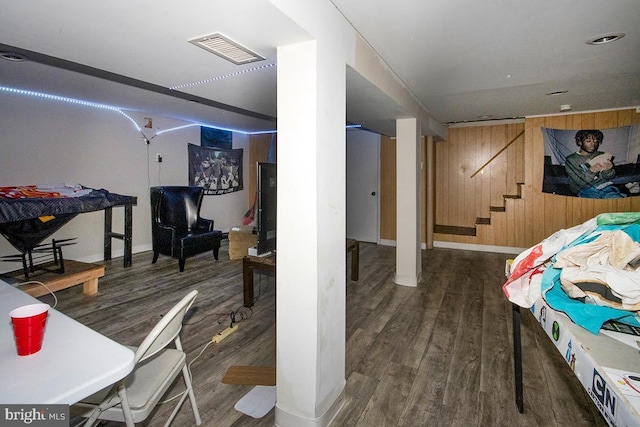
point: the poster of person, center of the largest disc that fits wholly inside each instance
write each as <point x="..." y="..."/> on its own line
<point x="216" y="170"/>
<point x="592" y="163"/>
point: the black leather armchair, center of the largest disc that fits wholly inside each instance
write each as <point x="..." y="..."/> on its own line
<point x="176" y="227"/>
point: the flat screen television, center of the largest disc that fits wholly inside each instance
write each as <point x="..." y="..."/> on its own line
<point x="267" y="208"/>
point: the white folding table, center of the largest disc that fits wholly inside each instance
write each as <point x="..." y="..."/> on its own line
<point x="74" y="362"/>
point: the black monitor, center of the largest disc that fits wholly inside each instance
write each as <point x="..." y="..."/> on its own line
<point x="267" y="207"/>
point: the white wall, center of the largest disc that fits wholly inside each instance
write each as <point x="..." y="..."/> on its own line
<point x="43" y="141"/>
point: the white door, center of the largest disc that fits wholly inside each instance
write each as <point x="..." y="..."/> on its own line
<point x="363" y="171"/>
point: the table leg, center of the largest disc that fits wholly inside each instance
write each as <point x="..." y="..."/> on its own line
<point x="90" y="287"/>
<point x="355" y="261"/>
<point x="128" y="234"/>
<point x="108" y="221"/>
<point x="126" y="237"/>
<point x="517" y="357"/>
<point x="247" y="282"/>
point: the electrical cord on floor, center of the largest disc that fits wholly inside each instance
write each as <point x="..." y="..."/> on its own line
<point x="233" y="318"/>
<point x="239" y="313"/>
<point x="31" y="282"/>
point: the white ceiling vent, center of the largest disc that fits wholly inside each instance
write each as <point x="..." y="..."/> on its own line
<point x="227" y="49"/>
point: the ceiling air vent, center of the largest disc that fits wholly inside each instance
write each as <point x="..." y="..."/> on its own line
<point x="227" y="49"/>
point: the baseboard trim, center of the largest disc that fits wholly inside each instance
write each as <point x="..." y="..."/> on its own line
<point x="409" y="281"/>
<point x="287" y="419"/>
<point x="464" y="247"/>
<point x="478" y="248"/>
<point x="116" y="253"/>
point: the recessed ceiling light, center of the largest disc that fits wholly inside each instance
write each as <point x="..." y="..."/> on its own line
<point x="605" y="38"/>
<point x="13" y="56"/>
<point x="557" y="92"/>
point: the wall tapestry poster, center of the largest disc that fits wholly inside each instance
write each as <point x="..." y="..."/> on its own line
<point x="216" y="170"/>
<point x="592" y="163"/>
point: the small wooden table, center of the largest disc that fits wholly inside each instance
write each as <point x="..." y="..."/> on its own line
<point x="75" y="273"/>
<point x="250" y="263"/>
<point x="268" y="263"/>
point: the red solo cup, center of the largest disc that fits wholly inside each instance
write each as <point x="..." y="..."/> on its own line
<point x="29" y="323"/>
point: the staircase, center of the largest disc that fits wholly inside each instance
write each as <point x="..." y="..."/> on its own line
<point x="471" y="231"/>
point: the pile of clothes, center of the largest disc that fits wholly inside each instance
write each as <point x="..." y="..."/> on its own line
<point x="591" y="272"/>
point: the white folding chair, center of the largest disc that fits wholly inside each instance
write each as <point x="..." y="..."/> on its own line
<point x="132" y="399"/>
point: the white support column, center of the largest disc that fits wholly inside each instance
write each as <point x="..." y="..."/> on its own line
<point x="311" y="280"/>
<point x="408" y="250"/>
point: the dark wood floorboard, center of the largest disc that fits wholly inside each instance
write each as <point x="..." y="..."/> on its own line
<point x="439" y="354"/>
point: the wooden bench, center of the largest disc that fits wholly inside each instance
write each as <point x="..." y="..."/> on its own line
<point x="75" y="273"/>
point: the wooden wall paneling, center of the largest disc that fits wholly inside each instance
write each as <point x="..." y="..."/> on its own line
<point x="498" y="166"/>
<point x="605" y="120"/>
<point x="497" y="182"/>
<point x="458" y="194"/>
<point x="520" y="159"/>
<point x="484" y="177"/>
<point x="440" y="181"/>
<point x="530" y="192"/>
<point x="443" y="179"/>
<point x="542" y="209"/>
<point x="453" y="197"/>
<point x="511" y="161"/>
<point x="474" y="203"/>
<point x="512" y="180"/>
<point x="459" y="199"/>
<point x="510" y="217"/>
<point x="465" y="199"/>
<point x="516" y="210"/>
<point x="554" y="206"/>
<point x="575" y="206"/>
<point x="511" y="187"/>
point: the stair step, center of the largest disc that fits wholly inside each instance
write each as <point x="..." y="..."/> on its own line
<point x="497" y="209"/>
<point x="452" y="229"/>
<point x="483" y="221"/>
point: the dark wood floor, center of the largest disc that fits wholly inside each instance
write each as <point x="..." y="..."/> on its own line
<point x="436" y="355"/>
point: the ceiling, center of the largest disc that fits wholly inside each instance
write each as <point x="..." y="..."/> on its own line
<point x="463" y="60"/>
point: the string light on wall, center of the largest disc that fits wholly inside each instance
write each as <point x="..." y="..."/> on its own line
<point x="211" y="127"/>
<point x="58" y="98"/>
<point x="80" y="102"/>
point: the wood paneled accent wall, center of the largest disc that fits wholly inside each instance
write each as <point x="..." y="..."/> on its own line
<point x="460" y="199"/>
